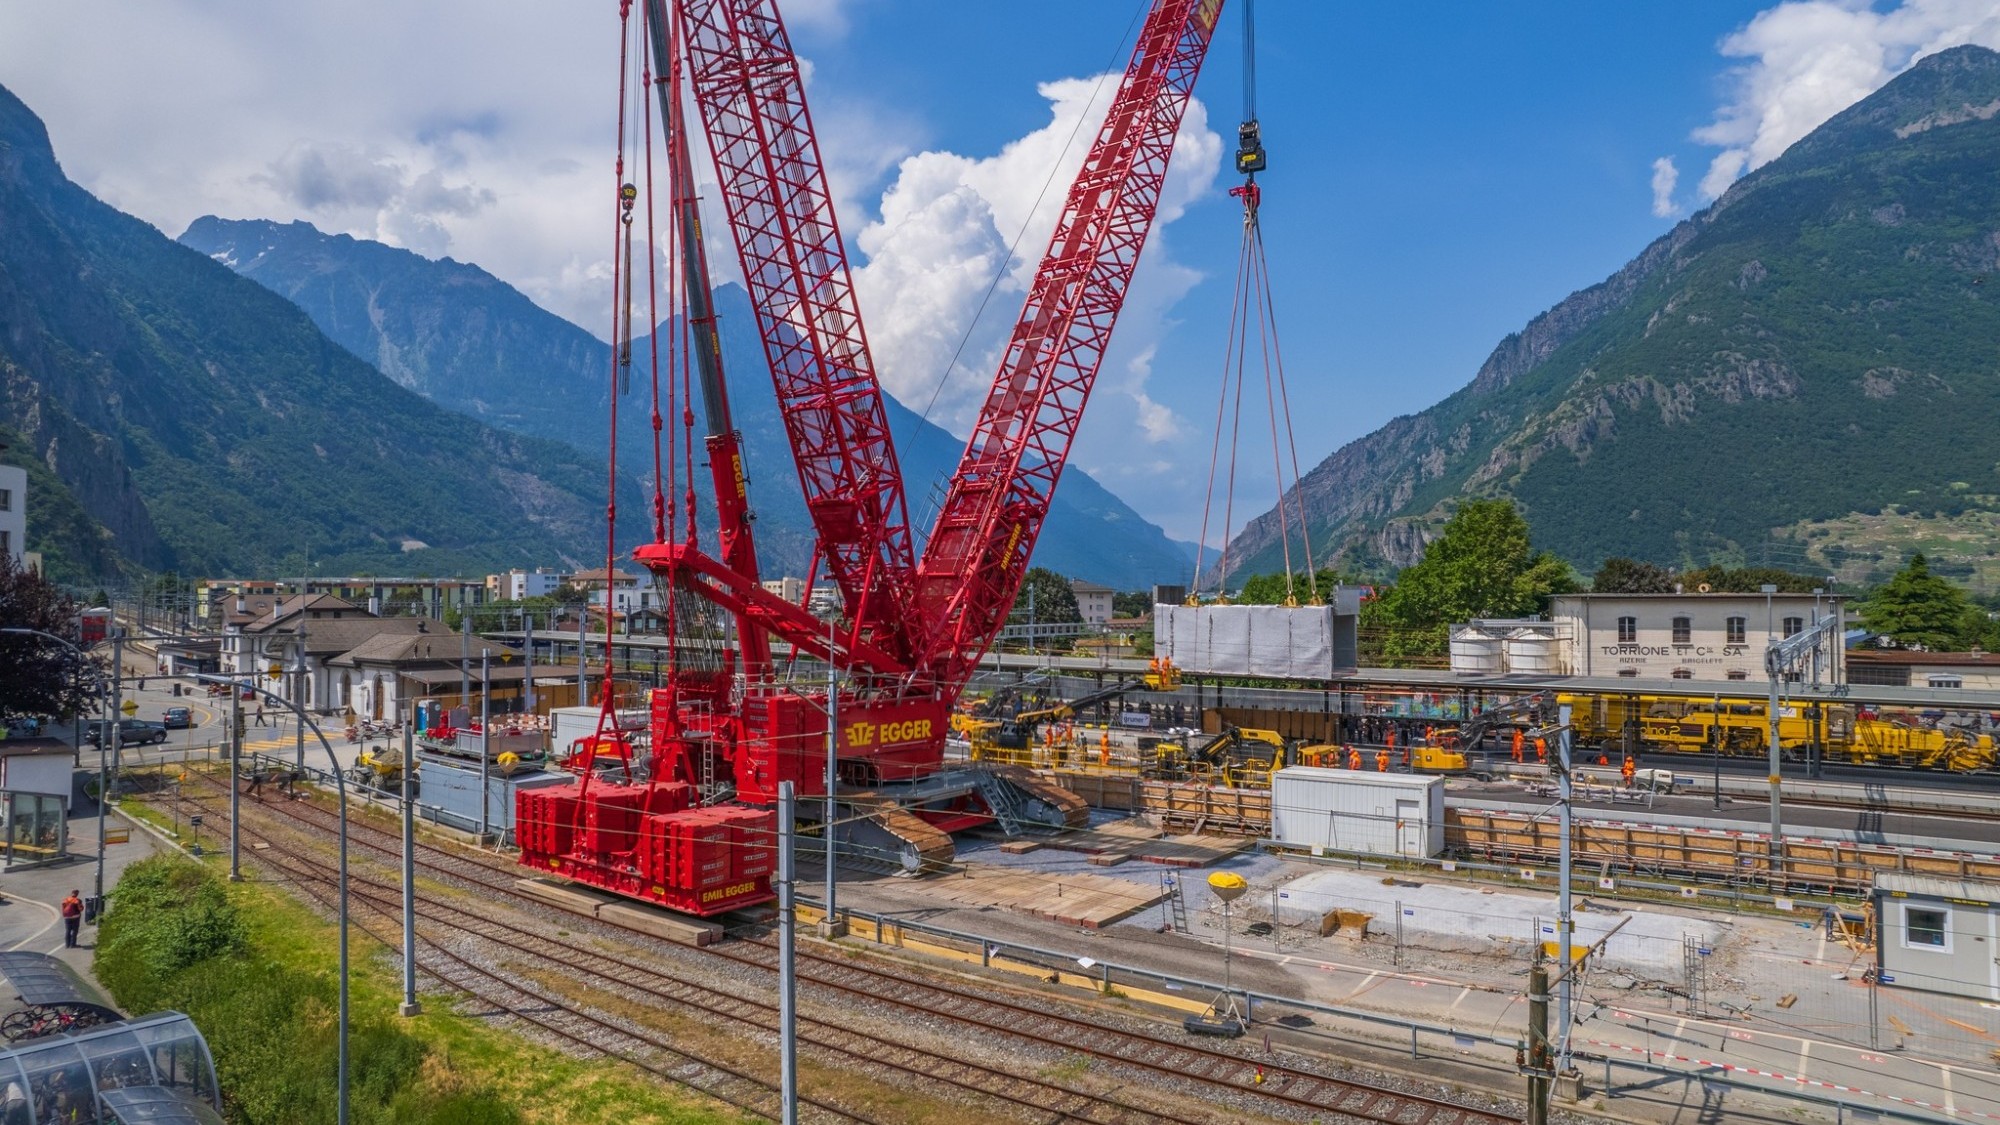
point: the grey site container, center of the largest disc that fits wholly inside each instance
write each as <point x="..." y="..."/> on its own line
<point x="452" y="787"/>
<point x="1392" y="814"/>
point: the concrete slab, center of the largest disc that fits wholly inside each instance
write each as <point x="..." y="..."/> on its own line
<point x="1471" y="919"/>
<point x="672" y="927"/>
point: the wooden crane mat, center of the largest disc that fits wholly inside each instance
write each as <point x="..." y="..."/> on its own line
<point x="1127" y="839"/>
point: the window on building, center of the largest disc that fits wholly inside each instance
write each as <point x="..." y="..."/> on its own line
<point x="1945" y="679"/>
<point x="1794" y="626"/>
<point x="1683" y="674"/>
<point x="1738" y="674"/>
<point x="6" y="547"/>
<point x="6" y="499"/>
<point x="1628" y="630"/>
<point x="1683" y="630"/>
<point x="1924" y="927"/>
<point x="1629" y="673"/>
<point x="1736" y="630"/>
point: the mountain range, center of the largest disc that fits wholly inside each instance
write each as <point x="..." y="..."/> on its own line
<point x="1804" y="373"/>
<point x="469" y="341"/>
<point x="181" y="417"/>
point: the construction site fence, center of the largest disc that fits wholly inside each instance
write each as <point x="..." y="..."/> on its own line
<point x="1671" y="857"/>
<point x="1422" y="1039"/>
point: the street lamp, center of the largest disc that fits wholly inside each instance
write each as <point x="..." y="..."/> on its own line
<point x="340" y="782"/>
<point x="110" y="731"/>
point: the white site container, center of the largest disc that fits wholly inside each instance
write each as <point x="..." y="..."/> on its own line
<point x="1333" y="810"/>
<point x="569" y="724"/>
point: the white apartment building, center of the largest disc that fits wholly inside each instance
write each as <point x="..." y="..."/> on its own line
<point x="1093" y="602"/>
<point x="13" y="512"/>
<point x="792" y="590"/>
<point x="520" y="585"/>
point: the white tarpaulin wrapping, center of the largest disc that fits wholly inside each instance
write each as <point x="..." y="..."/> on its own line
<point x="1247" y="640"/>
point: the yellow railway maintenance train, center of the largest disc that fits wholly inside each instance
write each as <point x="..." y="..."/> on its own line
<point x="1840" y="732"/>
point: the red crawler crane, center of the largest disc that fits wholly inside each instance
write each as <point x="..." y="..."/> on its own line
<point x="682" y="827"/>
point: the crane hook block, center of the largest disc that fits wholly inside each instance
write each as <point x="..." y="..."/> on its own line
<point x="1249" y="148"/>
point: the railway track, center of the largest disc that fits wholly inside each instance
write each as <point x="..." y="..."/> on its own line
<point x="1280" y="1091"/>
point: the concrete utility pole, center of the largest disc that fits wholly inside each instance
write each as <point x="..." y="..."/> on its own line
<point x="528" y="661"/>
<point x="1565" y="917"/>
<point x="299" y="673"/>
<point x="485" y="739"/>
<point x="235" y="782"/>
<point x="410" y="1005"/>
<point x="107" y="780"/>
<point x="831" y="926"/>
<point x="1538" y="1062"/>
<point x="788" y="985"/>
<point x="1777" y="842"/>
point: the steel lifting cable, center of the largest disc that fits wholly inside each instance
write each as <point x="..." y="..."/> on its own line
<point x="1252" y="298"/>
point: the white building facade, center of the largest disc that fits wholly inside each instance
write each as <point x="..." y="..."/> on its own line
<point x="1093" y="602"/>
<point x="1690" y="636"/>
<point x="13" y="512"/>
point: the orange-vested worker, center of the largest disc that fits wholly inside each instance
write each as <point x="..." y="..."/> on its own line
<point x="1517" y="745"/>
<point x="1391" y="739"/>
<point x="1381" y="761"/>
<point x="1627" y="770"/>
<point x="1542" y="750"/>
<point x="1353" y="758"/>
<point x="1104" y="749"/>
<point x="1603" y="759"/>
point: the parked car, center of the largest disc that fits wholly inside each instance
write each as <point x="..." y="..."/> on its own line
<point x="177" y="718"/>
<point x="131" y="732"/>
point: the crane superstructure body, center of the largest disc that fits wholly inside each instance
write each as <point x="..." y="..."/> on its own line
<point x="727" y="728"/>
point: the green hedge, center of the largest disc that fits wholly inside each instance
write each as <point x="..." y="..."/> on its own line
<point x="176" y="940"/>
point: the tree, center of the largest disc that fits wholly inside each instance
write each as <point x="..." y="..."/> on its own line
<point x="1269" y="589"/>
<point x="40" y="678"/>
<point x="1132" y="603"/>
<point x="1917" y="609"/>
<point x="1628" y="576"/>
<point x="1749" y="580"/>
<point x="1480" y="565"/>
<point x="1054" y="601"/>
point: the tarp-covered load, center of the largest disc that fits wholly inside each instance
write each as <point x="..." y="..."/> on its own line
<point x="1279" y="642"/>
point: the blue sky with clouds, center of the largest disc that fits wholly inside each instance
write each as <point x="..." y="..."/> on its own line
<point x="1440" y="172"/>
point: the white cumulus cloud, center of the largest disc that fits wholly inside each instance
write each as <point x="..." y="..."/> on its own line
<point x="1810" y="59"/>
<point x="942" y="242"/>
<point x="1665" y="177"/>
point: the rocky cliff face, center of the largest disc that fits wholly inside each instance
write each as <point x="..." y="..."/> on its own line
<point x="1801" y="351"/>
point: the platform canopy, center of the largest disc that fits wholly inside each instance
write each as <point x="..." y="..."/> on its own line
<point x="162" y="1059"/>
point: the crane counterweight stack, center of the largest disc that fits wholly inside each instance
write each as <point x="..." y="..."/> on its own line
<point x="726" y="731"/>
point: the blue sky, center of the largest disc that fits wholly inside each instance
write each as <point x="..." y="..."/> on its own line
<point x="1440" y="172"/>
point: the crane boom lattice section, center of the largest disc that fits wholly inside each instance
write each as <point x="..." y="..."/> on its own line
<point x="747" y="86"/>
<point x="999" y="497"/>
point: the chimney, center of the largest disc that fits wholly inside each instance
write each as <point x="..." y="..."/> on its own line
<point x="1678" y="589"/>
<point x="375" y="605"/>
<point x="239" y="603"/>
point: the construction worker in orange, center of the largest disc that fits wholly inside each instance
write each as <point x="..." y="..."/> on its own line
<point x="1517" y="745"/>
<point x="1542" y="750"/>
<point x="1603" y="759"/>
<point x="1381" y="761"/>
<point x="1104" y="749"/>
<point x="1627" y="770"/>
<point x="1353" y="759"/>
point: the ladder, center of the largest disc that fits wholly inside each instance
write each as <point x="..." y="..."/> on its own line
<point x="1170" y="886"/>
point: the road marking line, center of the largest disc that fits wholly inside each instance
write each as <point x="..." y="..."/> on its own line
<point x="1462" y="994"/>
<point x="1950" y="1109"/>
<point x="1805" y="1051"/>
<point x="1366" y="982"/>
